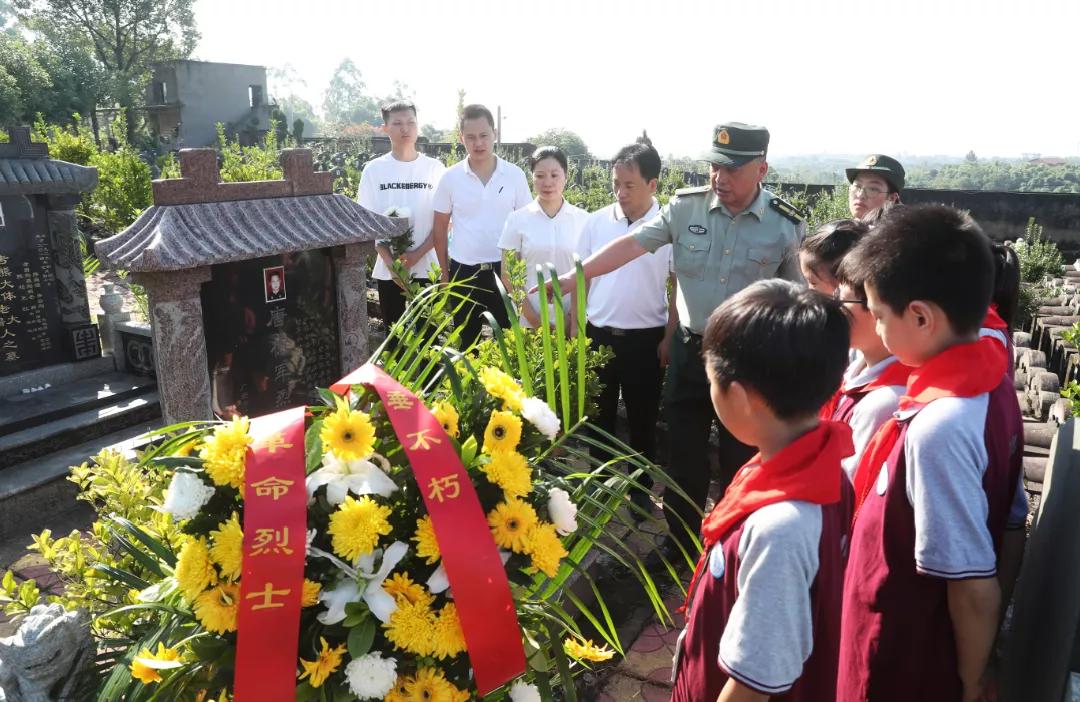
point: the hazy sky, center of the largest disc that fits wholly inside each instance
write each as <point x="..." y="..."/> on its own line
<point x="826" y="76"/>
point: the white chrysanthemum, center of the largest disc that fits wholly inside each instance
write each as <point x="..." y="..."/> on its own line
<point x="395" y="211"/>
<point x="359" y="477"/>
<point x="371" y="676"/>
<point x="537" y="412"/>
<point x="186" y="495"/>
<point x="522" y="691"/>
<point x="563" y="511"/>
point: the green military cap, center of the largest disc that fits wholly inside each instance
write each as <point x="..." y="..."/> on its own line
<point x="880" y="165"/>
<point x="735" y="143"/>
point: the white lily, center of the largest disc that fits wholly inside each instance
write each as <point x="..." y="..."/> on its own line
<point x="361" y="583"/>
<point x="359" y="477"/>
<point x="439" y="582"/>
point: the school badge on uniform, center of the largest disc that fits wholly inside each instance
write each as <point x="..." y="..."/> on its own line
<point x="717" y="561"/>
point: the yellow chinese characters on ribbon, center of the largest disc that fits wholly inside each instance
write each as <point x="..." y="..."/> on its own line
<point x="422" y="440"/>
<point x="445" y="488"/>
<point x="399" y="400"/>
<point x="268" y="593"/>
<point x="272" y="487"/>
<point x="269" y="541"/>
<point x="273" y="443"/>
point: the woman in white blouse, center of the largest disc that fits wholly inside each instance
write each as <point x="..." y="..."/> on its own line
<point x="544" y="231"/>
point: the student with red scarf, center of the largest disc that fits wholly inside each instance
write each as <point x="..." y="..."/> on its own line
<point x="934" y="488"/>
<point x="763" y="611"/>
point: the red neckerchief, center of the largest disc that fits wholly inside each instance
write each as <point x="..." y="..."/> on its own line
<point x="964" y="370"/>
<point x="807" y="469"/>
<point x="895" y="373"/>
<point x="994" y="321"/>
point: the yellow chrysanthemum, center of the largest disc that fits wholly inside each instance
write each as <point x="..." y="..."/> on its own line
<point x="511" y="472"/>
<point x="348" y="434"/>
<point x="310" y="595"/>
<point x="401" y="587"/>
<point x="427" y="546"/>
<point x="227" y="547"/>
<point x="500" y="385"/>
<point x="412" y="628"/>
<point x="328" y="661"/>
<point x="510" y="523"/>
<point x="587" y="650"/>
<point x="449" y="638"/>
<point x="357" y="525"/>
<point x="545" y="548"/>
<point x="430" y="685"/>
<point x="194" y="570"/>
<point x="216" y="608"/>
<point x="224" y="453"/>
<point x="448" y="418"/>
<point x="143" y="672"/>
<point x="503" y="432"/>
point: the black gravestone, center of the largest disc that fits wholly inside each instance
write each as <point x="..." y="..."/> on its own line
<point x="31" y="331"/>
<point x="271" y="332"/>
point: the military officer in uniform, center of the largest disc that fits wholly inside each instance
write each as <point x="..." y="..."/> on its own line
<point x="725" y="236"/>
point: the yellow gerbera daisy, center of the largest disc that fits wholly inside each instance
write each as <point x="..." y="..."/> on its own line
<point x="510" y="522"/>
<point x="227" y="547"/>
<point x="328" y="661"/>
<point x="412" y="628"/>
<point x="448" y="418"/>
<point x="357" y="525"/>
<point x="449" y="638"/>
<point x="310" y="595"/>
<point x="545" y="548"/>
<point x="400" y="691"/>
<point x="401" y="587"/>
<point x="586" y="650"/>
<point x="510" y="471"/>
<point x="194" y="570"/>
<point x="216" y="609"/>
<point x="430" y="685"/>
<point x="348" y="434"/>
<point x="427" y="546"/>
<point x="224" y="453"/>
<point x="503" y="432"/>
<point x="500" y="385"/>
<point x="146" y="674"/>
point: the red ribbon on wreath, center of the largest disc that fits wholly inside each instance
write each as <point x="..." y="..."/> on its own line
<point x="473" y="566"/>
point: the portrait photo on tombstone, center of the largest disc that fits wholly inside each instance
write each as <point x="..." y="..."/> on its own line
<point x="274" y="283"/>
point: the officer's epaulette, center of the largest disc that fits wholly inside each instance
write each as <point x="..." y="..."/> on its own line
<point x="787" y="209"/>
<point x="693" y="191"/>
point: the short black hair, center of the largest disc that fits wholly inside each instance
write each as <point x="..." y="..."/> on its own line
<point x="549" y="152"/>
<point x="1006" y="281"/>
<point x="396" y="106"/>
<point x="830" y="243"/>
<point x="475" y="112"/>
<point x="877" y="215"/>
<point x="644" y="155"/>
<point x="785" y="341"/>
<point x="932" y="253"/>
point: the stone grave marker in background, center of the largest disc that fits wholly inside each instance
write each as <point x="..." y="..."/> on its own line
<point x="256" y="290"/>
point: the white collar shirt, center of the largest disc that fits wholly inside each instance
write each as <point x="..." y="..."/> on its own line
<point x="478" y="210"/>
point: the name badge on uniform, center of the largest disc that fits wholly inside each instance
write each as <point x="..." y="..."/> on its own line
<point x="697" y="229"/>
<point x="717" y="561"/>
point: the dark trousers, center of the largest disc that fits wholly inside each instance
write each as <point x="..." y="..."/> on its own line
<point x="391" y="301"/>
<point x="483" y="296"/>
<point x="690" y="414"/>
<point x="636" y="372"/>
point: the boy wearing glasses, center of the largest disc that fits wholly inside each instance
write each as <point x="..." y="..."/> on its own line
<point x="875" y="182"/>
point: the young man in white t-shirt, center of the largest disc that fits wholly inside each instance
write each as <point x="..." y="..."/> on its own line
<point x="628" y="309"/>
<point x="476" y="195"/>
<point x="403" y="178"/>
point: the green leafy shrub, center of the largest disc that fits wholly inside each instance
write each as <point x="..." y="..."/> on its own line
<point x="1039" y="257"/>
<point x="74" y="144"/>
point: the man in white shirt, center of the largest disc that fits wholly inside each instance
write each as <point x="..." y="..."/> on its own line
<point x="477" y="195"/>
<point x="629" y="309"/>
<point x="403" y="178"/>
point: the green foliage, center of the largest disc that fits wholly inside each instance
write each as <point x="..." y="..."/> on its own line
<point x="74" y="144"/>
<point x="241" y="164"/>
<point x="1071" y="392"/>
<point x="123" y="189"/>
<point x="346" y="100"/>
<point x="1072" y="335"/>
<point x="568" y="141"/>
<point x="1039" y="257"/>
<point x="998" y="175"/>
<point x="822" y="207"/>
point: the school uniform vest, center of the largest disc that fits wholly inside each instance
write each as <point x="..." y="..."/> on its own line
<point x="698" y="675"/>
<point x="897" y="639"/>
<point x="845" y="405"/>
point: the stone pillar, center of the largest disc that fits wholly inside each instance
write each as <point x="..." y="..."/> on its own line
<point x="352" y="304"/>
<point x="112" y="306"/>
<point x="67" y="260"/>
<point x="176" y="317"/>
